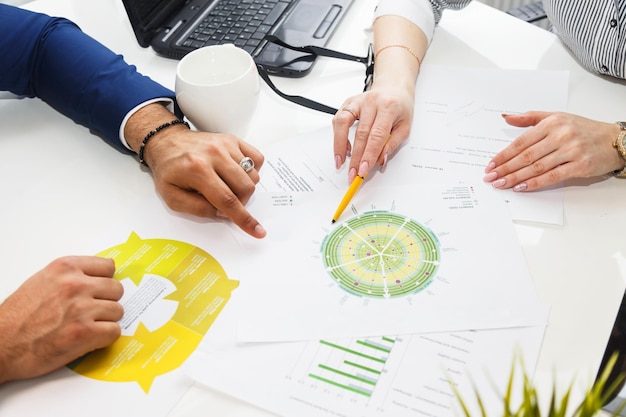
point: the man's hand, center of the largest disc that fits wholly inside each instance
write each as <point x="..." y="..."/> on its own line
<point x="64" y="311"/>
<point x="198" y="172"/>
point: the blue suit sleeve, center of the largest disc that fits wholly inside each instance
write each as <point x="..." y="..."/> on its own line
<point x="51" y="58"/>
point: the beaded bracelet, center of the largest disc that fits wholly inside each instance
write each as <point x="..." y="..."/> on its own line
<point x="154" y="132"/>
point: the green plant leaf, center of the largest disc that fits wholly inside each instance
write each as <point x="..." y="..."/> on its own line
<point x="593" y="402"/>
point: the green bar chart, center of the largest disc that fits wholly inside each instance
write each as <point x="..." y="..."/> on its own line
<point x="354" y="366"/>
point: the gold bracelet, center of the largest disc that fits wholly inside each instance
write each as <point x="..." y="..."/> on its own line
<point x="406" y="48"/>
<point x="620" y="145"/>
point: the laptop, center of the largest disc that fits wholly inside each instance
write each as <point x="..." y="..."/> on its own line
<point x="174" y="28"/>
<point x="615" y="404"/>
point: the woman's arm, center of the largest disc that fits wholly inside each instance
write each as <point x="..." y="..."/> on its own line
<point x="403" y="30"/>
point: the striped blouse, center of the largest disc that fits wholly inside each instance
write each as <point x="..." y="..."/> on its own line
<point x="594" y="30"/>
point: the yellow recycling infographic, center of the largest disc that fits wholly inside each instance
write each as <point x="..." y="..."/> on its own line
<point x="173" y="292"/>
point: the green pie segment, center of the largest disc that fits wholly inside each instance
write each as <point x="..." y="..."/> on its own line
<point x="380" y="254"/>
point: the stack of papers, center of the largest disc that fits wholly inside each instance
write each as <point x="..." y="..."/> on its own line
<point x="421" y="284"/>
<point x="371" y="325"/>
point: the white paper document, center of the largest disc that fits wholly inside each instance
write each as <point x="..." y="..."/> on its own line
<point x="174" y="287"/>
<point x="420" y="282"/>
<point x="399" y="376"/>
<point x="401" y="260"/>
<point x="457" y="128"/>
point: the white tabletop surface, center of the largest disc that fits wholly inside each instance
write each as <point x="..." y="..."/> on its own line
<point x="60" y="182"/>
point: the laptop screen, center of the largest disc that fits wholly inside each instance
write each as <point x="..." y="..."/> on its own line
<point x="616" y="345"/>
<point x="147" y="16"/>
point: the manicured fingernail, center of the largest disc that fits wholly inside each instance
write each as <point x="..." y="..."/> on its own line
<point x="504" y="114"/>
<point x="351" y="175"/>
<point x="384" y="160"/>
<point x="520" y="187"/>
<point x="338" y="161"/>
<point x="499" y="183"/>
<point x="491" y="165"/>
<point x="259" y="230"/>
<point x="490" y="177"/>
<point x="363" y="168"/>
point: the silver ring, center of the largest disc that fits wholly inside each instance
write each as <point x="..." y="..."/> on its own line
<point x="247" y="164"/>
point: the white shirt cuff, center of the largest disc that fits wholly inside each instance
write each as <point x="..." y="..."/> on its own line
<point x="419" y="12"/>
<point x="169" y="106"/>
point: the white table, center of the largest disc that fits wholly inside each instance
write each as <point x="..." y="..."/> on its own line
<point x="59" y="182"/>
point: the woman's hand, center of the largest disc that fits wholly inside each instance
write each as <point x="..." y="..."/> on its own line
<point x="385" y="114"/>
<point x="557" y="147"/>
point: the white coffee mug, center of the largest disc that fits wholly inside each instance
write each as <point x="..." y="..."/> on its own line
<point x="217" y="89"/>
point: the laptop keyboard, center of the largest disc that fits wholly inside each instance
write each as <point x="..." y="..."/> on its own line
<point x="241" y="22"/>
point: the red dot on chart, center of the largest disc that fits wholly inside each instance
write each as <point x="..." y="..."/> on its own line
<point x="397" y="281"/>
<point x="356" y="284"/>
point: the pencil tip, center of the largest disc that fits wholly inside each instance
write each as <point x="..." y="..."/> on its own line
<point x="332" y="221"/>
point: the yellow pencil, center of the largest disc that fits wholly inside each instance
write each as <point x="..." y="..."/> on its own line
<point x="356" y="183"/>
<point x="354" y="186"/>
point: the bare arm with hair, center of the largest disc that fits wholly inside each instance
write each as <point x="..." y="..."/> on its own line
<point x="197" y="172"/>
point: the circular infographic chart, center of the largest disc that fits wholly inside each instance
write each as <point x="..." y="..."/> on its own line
<point x="381" y="254"/>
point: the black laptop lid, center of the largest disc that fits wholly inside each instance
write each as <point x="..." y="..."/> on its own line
<point x="148" y="16"/>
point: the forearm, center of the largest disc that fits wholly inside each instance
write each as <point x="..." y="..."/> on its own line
<point x="144" y="121"/>
<point x="11" y="351"/>
<point x="400" y="47"/>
